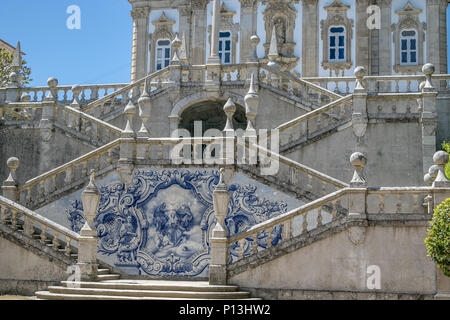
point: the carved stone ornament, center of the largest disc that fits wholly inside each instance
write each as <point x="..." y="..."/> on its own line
<point x="356" y="235"/>
<point x="280" y="16"/>
<point x="337" y="17"/>
<point x="163" y="30"/>
<point x="408" y="19"/>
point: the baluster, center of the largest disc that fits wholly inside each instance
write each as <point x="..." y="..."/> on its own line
<point x="304" y="223"/>
<point x="319" y="217"/>
<point x="397" y="86"/>
<point x="97" y="163"/>
<point x="42" y="193"/>
<point x="408" y="89"/>
<point x="55" y="241"/>
<point x="324" y="188"/>
<point x="269" y="237"/>
<point x="241" y="244"/>
<point x="381" y="203"/>
<point x="255" y="243"/>
<point x="43" y="233"/>
<point x="287" y="230"/>
<point x="2" y="214"/>
<point x="334" y="209"/>
<point x="84" y="169"/>
<point x="65" y="94"/>
<point x="28" y="195"/>
<point x="53" y="183"/>
<point x="416" y="203"/>
<point x="28" y="227"/>
<point x="399" y="203"/>
<point x="309" y="185"/>
<point x="67" y="249"/>
<point x="83" y="95"/>
<point x="69" y="175"/>
<point x="347" y="88"/>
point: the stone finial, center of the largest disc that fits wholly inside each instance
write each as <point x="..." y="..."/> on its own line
<point x="176" y="45"/>
<point x="273" y="50"/>
<point x="52" y="95"/>
<point x="360" y="73"/>
<point x="358" y="161"/>
<point x="428" y="69"/>
<point x="17" y="58"/>
<point x="428" y="180"/>
<point x="251" y="100"/>
<point x="440" y="159"/>
<point x="183" y="51"/>
<point x="145" y="107"/>
<point x="76" y="90"/>
<point x="13" y="164"/>
<point x="229" y="109"/>
<point x="130" y="112"/>
<point x="90" y="198"/>
<point x="254" y="40"/>
<point x="9" y="187"/>
<point x="221" y="198"/>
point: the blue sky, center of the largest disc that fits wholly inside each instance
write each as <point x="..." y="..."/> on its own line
<point x="100" y="52"/>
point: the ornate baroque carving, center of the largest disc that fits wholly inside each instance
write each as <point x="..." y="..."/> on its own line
<point x="337" y="16"/>
<point x="140" y="13"/>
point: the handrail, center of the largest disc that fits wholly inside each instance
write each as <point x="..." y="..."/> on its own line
<point x="88" y="156"/>
<point x="38" y="218"/>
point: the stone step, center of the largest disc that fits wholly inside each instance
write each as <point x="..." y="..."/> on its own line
<point x="102" y="277"/>
<point x="149" y="293"/>
<point x="102" y="271"/>
<point x="55" y="296"/>
<point x="124" y="284"/>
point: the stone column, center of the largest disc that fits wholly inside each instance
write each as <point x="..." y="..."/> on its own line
<point x="359" y="116"/>
<point x="198" y="36"/>
<point x="9" y="188"/>
<point x="428" y="118"/>
<point x="127" y="145"/>
<point x="139" y="54"/>
<point x="437" y="34"/>
<point x="385" y="39"/>
<point x="214" y="54"/>
<point x="219" y="241"/>
<point x="247" y="27"/>
<point x="185" y="31"/>
<point x="87" y="250"/>
<point x="362" y="34"/>
<point x="310" y="35"/>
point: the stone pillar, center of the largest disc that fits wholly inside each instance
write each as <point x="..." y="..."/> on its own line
<point x="357" y="196"/>
<point x="219" y="241"/>
<point x="185" y="27"/>
<point x="428" y="118"/>
<point x="437" y="34"/>
<point x="251" y="101"/>
<point x="139" y="53"/>
<point x="359" y="116"/>
<point x="13" y="85"/>
<point x="46" y="125"/>
<point x="362" y="34"/>
<point x="87" y="250"/>
<point x="310" y="36"/>
<point x="9" y="188"/>
<point x="247" y="27"/>
<point x="215" y="28"/>
<point x="127" y="145"/>
<point x="198" y="36"/>
<point x="385" y="39"/>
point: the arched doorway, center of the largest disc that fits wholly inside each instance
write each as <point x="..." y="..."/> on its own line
<point x="212" y="116"/>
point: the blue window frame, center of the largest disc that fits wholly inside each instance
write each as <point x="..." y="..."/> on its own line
<point x="337" y="47"/>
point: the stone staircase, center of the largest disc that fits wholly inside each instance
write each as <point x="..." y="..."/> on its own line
<point x="142" y="290"/>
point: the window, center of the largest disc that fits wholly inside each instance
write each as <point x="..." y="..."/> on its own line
<point x="337" y="44"/>
<point x="162" y="54"/>
<point x="225" y="47"/>
<point x="408" y="48"/>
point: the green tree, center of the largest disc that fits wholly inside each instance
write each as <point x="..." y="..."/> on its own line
<point x="438" y="240"/>
<point x="446" y="147"/>
<point x="6" y="60"/>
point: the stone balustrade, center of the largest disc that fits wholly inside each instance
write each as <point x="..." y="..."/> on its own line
<point x="295" y="86"/>
<point x="283" y="228"/>
<point x="65" y="94"/>
<point x="381" y="84"/>
<point x="316" y="122"/>
<point x="98" y="131"/>
<point x="27" y="111"/>
<point x="43" y="188"/>
<point x="34" y="225"/>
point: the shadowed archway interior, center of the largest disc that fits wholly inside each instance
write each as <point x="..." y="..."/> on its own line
<point x="211" y="115"/>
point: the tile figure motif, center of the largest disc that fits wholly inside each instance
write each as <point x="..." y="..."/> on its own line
<point x="159" y="225"/>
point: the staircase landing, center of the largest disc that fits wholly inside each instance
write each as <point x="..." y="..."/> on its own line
<point x="123" y="289"/>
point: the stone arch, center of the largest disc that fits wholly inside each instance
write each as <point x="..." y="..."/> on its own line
<point x="196" y="99"/>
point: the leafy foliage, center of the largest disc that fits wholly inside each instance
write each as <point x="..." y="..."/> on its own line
<point x="6" y="60"/>
<point x="446" y="147"/>
<point x="438" y="240"/>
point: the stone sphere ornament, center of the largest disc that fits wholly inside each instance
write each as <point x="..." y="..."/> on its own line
<point x="52" y="82"/>
<point x="428" y="69"/>
<point x="440" y="158"/>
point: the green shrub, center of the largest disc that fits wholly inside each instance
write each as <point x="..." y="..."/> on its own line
<point x="438" y="240"/>
<point x="446" y="147"/>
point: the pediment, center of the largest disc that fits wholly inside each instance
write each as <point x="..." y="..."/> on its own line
<point x="409" y="9"/>
<point x="337" y="5"/>
<point x="163" y="20"/>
